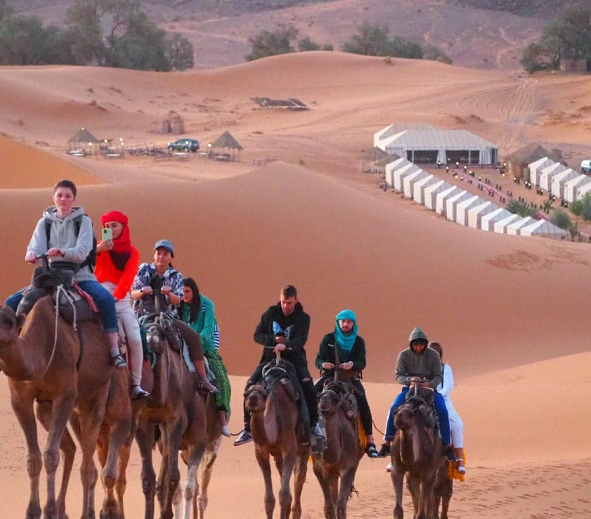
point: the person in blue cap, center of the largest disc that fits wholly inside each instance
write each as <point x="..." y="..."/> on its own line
<point x="344" y="349"/>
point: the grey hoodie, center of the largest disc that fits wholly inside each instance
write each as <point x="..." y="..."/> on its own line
<point x="412" y="364"/>
<point x="63" y="236"/>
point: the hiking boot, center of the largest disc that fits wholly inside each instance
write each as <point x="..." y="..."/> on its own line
<point x="137" y="393"/>
<point x="225" y="431"/>
<point x="384" y="450"/>
<point x="119" y="361"/>
<point x="244" y="437"/>
<point x="371" y="450"/>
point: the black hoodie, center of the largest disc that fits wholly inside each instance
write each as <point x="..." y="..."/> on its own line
<point x="295" y="326"/>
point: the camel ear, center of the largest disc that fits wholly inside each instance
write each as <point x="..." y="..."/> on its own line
<point x="20" y="320"/>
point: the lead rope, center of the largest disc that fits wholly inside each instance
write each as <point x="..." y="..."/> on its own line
<point x="60" y="289"/>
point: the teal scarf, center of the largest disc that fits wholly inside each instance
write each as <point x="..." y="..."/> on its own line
<point x="346" y="342"/>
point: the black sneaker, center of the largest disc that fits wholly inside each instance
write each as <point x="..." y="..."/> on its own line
<point x="384" y="450"/>
<point x="371" y="450"/>
<point x="244" y="437"/>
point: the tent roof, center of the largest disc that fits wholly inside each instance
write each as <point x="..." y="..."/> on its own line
<point x="531" y="153"/>
<point x="436" y="139"/>
<point x="83" y="135"/>
<point x="543" y="227"/>
<point x="393" y="129"/>
<point x="225" y="140"/>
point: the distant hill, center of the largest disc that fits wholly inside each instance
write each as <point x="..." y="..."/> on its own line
<point x="469" y="31"/>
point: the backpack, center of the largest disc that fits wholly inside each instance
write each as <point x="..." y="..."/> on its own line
<point x="90" y="260"/>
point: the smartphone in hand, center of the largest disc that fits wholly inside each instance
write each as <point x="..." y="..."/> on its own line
<point x="107" y="234"/>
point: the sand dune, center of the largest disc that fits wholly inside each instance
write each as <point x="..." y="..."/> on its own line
<point x="510" y="312"/>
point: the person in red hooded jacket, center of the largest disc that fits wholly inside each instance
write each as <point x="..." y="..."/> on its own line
<point x="116" y="266"/>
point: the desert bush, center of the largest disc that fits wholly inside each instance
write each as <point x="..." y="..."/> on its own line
<point x="522" y="208"/>
<point x="561" y="219"/>
<point x="582" y="207"/>
<point x="272" y="43"/>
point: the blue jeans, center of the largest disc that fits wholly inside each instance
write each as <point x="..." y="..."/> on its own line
<point x="103" y="299"/>
<point x="440" y="409"/>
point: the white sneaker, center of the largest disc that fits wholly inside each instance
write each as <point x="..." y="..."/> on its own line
<point x="389" y="467"/>
<point x="226" y="432"/>
<point x="319" y="431"/>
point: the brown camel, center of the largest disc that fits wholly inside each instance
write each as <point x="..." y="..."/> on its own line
<point x="41" y="363"/>
<point x="213" y="443"/>
<point x="178" y="411"/>
<point x="273" y="422"/>
<point x="341" y="457"/>
<point x="417" y="451"/>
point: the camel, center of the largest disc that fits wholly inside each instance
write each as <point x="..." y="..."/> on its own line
<point x="41" y="363"/>
<point x="444" y="488"/>
<point x="178" y="411"/>
<point x="417" y="451"/>
<point x="341" y="457"/>
<point x="213" y="443"/>
<point x="273" y="422"/>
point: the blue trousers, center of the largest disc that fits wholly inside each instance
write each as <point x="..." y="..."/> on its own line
<point x="103" y="299"/>
<point x="440" y="409"/>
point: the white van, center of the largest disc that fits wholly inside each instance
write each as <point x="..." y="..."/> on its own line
<point x="586" y="166"/>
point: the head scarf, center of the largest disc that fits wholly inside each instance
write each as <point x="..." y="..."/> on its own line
<point x="346" y="342"/>
<point x="122" y="245"/>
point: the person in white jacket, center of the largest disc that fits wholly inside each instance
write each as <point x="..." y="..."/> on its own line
<point x="455" y="422"/>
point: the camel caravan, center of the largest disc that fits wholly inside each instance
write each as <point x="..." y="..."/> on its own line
<point x="123" y="351"/>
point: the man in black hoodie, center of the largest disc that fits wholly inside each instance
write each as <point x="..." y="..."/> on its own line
<point x="284" y="327"/>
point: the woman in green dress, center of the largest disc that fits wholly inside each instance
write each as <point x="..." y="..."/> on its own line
<point x="198" y="312"/>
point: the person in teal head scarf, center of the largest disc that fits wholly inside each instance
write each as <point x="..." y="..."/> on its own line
<point x="344" y="350"/>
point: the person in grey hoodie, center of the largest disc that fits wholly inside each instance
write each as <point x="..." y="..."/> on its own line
<point x="420" y="364"/>
<point x="68" y="244"/>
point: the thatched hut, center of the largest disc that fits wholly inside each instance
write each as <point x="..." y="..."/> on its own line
<point x="518" y="161"/>
<point x="224" y="144"/>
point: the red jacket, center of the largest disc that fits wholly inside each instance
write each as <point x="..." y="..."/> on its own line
<point x="105" y="270"/>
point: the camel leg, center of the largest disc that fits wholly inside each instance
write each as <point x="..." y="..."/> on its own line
<point x="298" y="485"/>
<point x="121" y="484"/>
<point x="285" y="497"/>
<point x="61" y="410"/>
<point x="398" y="480"/>
<point x="211" y="455"/>
<point x="346" y="486"/>
<point x="333" y="485"/>
<point x="68" y="448"/>
<point x="195" y="456"/>
<point x="145" y="440"/>
<point x="23" y="409"/>
<point x="414" y="488"/>
<point x="173" y="475"/>
<point x="265" y="465"/>
<point x="328" y="504"/>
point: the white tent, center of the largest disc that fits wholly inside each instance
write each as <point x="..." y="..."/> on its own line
<point x="545" y="229"/>
<point x="513" y="227"/>
<point x="420" y="186"/>
<point x="545" y="176"/>
<point x="409" y="181"/>
<point x="442" y="197"/>
<point x="452" y="202"/>
<point x="476" y="212"/>
<point x="558" y="181"/>
<point x="536" y="167"/>
<point x="431" y="192"/>
<point x="583" y="190"/>
<point x="500" y="226"/>
<point x="572" y="187"/>
<point x="402" y="172"/>
<point x="463" y="206"/>
<point x="488" y="220"/>
<point x="391" y="167"/>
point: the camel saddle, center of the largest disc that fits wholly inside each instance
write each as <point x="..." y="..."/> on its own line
<point x="422" y="400"/>
<point x="73" y="303"/>
<point x="284" y="373"/>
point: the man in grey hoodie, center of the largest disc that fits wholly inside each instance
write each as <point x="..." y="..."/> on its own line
<point x="420" y="364"/>
<point x="69" y="244"/>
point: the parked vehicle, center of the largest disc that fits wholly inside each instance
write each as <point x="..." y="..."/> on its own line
<point x="586" y="166"/>
<point x="184" y="145"/>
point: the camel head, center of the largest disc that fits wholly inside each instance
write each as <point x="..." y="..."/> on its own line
<point x="10" y="325"/>
<point x="408" y="414"/>
<point x="156" y="338"/>
<point x="255" y="398"/>
<point x="328" y="402"/>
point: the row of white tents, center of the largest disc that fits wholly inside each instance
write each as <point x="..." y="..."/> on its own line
<point x="461" y="206"/>
<point x="561" y="181"/>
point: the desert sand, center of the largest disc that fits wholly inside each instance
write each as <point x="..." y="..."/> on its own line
<point x="510" y="312"/>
